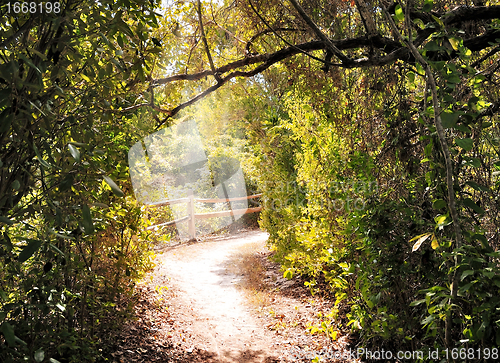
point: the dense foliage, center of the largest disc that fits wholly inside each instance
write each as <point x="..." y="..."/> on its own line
<point x="71" y="244"/>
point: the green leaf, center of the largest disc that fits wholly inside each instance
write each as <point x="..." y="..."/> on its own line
<point x="472" y="205"/>
<point x="417" y="302"/>
<point x="6" y="118"/>
<point x="29" y="250"/>
<point x="118" y="192"/>
<point x="288" y="274"/>
<point x="467" y="144"/>
<point x="478" y="187"/>
<point x="453" y="78"/>
<point x="40" y="159"/>
<point x="39" y="355"/>
<point x="427" y="5"/>
<point x="474" y="162"/>
<point x="52" y="360"/>
<point x="88" y="224"/>
<point x="441" y="221"/>
<point x="449" y="119"/>
<point x="8" y="332"/>
<point x="482" y="239"/>
<point x="4" y="296"/>
<point x="54" y="248"/>
<point x="432" y="46"/>
<point x="421" y="239"/>
<point x="16" y="185"/>
<point x="411" y="77"/>
<point x="30" y="63"/>
<point x="399" y="15"/>
<point x="7" y="242"/>
<point x="74" y="152"/>
<point x="439" y="204"/>
<point x="6" y="220"/>
<point x="466" y="273"/>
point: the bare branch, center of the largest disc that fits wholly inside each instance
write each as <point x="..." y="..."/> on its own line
<point x="204" y="38"/>
<point x="346" y="60"/>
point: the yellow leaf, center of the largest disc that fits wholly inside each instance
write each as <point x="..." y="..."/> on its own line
<point x="454" y="43"/>
<point x="85" y="77"/>
<point x="434" y="243"/>
<point x="421" y="239"/>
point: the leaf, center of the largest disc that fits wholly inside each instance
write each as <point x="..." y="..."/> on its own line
<point x="454" y="43"/>
<point x="449" y="119"/>
<point x="39" y="355"/>
<point x="29" y="250"/>
<point x="6" y="118"/>
<point x="421" y="239"/>
<point x="6" y="220"/>
<point x="432" y="46"/>
<point x="467" y="144"/>
<point x="54" y="248"/>
<point x="52" y="360"/>
<point x="40" y="159"/>
<point x="288" y="274"/>
<point x="427" y="5"/>
<point x="411" y="77"/>
<point x="41" y="55"/>
<point x="472" y="205"/>
<point x="474" y="162"/>
<point x="478" y="187"/>
<point x="74" y="152"/>
<point x="118" y="192"/>
<point x="30" y="63"/>
<point x="399" y="15"/>
<point x="8" y="332"/>
<point x="7" y="242"/>
<point x="100" y="205"/>
<point x="439" y="204"/>
<point x="434" y="242"/>
<point x="88" y="224"/>
<point x="417" y="302"/>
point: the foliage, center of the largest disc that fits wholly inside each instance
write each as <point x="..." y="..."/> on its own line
<point x="71" y="245"/>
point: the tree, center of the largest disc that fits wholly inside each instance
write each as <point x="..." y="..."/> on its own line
<point x="66" y="71"/>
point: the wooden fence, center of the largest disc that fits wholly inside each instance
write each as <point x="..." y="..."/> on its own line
<point x="192" y="216"/>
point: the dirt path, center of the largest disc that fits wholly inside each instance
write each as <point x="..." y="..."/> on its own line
<point x="209" y="288"/>
<point x="222" y="301"/>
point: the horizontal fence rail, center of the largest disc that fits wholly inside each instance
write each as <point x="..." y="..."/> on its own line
<point x="192" y="216"/>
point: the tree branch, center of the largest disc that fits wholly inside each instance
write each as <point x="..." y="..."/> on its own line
<point x="371" y="28"/>
<point x="204" y="38"/>
<point x="345" y="60"/>
<point x="394" y="50"/>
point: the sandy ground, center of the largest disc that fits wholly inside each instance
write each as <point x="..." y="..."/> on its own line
<point x="202" y="276"/>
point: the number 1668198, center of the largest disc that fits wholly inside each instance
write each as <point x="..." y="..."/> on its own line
<point x="33" y="7"/>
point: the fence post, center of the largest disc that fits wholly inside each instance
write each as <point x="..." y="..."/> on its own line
<point x="191" y="220"/>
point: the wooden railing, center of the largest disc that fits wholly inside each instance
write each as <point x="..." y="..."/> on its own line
<point x="192" y="216"/>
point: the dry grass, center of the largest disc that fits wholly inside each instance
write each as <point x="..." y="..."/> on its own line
<point x="246" y="262"/>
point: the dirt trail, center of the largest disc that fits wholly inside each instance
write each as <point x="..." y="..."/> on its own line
<point x="208" y="288"/>
<point x="222" y="300"/>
